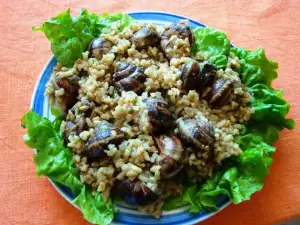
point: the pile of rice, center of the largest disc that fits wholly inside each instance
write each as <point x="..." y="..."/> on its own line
<point x="136" y="158"/>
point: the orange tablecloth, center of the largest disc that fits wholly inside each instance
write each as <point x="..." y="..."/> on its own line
<point x="273" y="24"/>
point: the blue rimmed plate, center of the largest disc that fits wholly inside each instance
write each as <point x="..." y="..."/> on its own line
<point x="127" y="214"/>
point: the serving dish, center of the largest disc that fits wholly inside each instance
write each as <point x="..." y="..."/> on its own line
<point x="127" y="214"/>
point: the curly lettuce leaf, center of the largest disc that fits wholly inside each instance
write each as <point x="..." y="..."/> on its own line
<point x="188" y="197"/>
<point x="52" y="158"/>
<point x="268" y="132"/>
<point x="94" y="208"/>
<point x="173" y="202"/>
<point x="269" y="106"/>
<point x="240" y="177"/>
<point x="238" y="182"/>
<point x="213" y="44"/>
<point x="70" y="36"/>
<point x="122" y="19"/>
<point x="55" y="161"/>
<point x="256" y="68"/>
<point x="68" y="52"/>
<point x="258" y="72"/>
<point x="252" y="167"/>
<point x="207" y="196"/>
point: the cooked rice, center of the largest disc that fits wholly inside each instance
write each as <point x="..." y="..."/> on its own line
<point x="136" y="157"/>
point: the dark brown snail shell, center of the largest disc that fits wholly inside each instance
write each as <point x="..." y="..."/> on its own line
<point x="136" y="193"/>
<point x="75" y="127"/>
<point x="99" y="47"/>
<point x="219" y="94"/>
<point x="129" y="78"/>
<point x="70" y="85"/>
<point x="197" y="76"/>
<point x="102" y="137"/>
<point x="87" y="111"/>
<point x="144" y="38"/>
<point x="159" y="114"/>
<point x="181" y="30"/>
<point x="197" y="132"/>
<point x="171" y="155"/>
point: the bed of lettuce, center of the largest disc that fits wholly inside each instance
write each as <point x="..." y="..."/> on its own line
<point x="238" y="178"/>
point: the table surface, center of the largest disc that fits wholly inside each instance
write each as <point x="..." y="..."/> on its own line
<point x="273" y="24"/>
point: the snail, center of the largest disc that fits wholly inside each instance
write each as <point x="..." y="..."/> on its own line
<point x="129" y="78"/>
<point x="145" y="38"/>
<point x="136" y="192"/>
<point x="104" y="135"/>
<point x="197" y="132"/>
<point x="171" y="155"/>
<point x="182" y="31"/>
<point x="99" y="47"/>
<point x="197" y="75"/>
<point x="70" y="84"/>
<point x="220" y="92"/>
<point x="159" y="114"/>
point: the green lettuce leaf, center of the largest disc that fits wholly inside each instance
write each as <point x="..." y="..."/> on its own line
<point x="238" y="182"/>
<point x="189" y="197"/>
<point x="94" y="208"/>
<point x="255" y="67"/>
<point x="240" y="177"/>
<point x="55" y="161"/>
<point x="258" y="72"/>
<point x="269" y="106"/>
<point x="268" y="132"/>
<point x="70" y="36"/>
<point x="52" y="158"/>
<point x="209" y="192"/>
<point x="212" y="43"/>
<point x="173" y="202"/>
<point x="248" y="176"/>
<point x="122" y="19"/>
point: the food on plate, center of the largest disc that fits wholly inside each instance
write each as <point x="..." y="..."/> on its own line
<point x="160" y="116"/>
